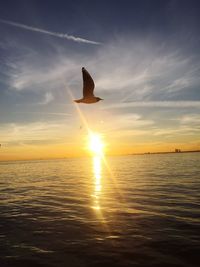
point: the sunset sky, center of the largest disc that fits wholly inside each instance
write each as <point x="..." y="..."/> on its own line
<point x="144" y="57"/>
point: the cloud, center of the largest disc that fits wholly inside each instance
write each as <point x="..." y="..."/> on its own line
<point x="190" y="119"/>
<point x="45" y="113"/>
<point x="155" y="104"/>
<point x="178" y="131"/>
<point x="41" y="142"/>
<point x="127" y="125"/>
<point x="56" y="34"/>
<point x="123" y="70"/>
<point x="47" y="98"/>
<point x="125" y="121"/>
<point x="29" y="73"/>
<point x="19" y="132"/>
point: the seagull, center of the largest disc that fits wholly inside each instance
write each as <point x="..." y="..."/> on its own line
<point x="88" y="89"/>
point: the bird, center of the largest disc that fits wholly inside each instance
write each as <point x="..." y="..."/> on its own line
<point x="88" y="89"/>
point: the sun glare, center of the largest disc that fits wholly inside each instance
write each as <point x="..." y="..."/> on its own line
<point x="95" y="143"/>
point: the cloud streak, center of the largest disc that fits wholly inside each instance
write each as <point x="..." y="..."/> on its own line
<point x="160" y="104"/>
<point x="56" y="34"/>
<point x="33" y="131"/>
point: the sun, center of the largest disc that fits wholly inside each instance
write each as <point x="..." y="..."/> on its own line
<point x="95" y="143"/>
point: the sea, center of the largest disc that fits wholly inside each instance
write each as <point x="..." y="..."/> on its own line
<point x="136" y="210"/>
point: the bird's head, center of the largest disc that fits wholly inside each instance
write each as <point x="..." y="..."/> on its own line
<point x="98" y="99"/>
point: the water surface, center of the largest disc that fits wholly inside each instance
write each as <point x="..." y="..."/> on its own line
<point x="126" y="211"/>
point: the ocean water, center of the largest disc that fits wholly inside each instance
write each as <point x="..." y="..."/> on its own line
<point x="120" y="211"/>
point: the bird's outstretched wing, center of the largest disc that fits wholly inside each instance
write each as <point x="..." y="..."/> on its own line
<point x="88" y="84"/>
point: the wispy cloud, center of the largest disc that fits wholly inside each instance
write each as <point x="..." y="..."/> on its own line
<point x="180" y="131"/>
<point x="56" y="34"/>
<point x="47" y="98"/>
<point x="45" y="113"/>
<point x="153" y="104"/>
<point x="190" y="119"/>
<point x="144" y="72"/>
<point x="40" y="74"/>
<point x="33" y="131"/>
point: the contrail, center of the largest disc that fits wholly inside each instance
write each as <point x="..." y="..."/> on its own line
<point x="56" y="34"/>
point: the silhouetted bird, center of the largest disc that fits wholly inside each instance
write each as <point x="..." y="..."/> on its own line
<point x="88" y="89"/>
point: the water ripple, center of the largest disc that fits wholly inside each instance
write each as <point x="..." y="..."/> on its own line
<point x="144" y="212"/>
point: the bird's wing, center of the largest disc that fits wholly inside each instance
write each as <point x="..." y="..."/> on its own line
<point x="88" y="84"/>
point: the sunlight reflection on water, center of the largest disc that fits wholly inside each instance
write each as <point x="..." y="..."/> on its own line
<point x="97" y="181"/>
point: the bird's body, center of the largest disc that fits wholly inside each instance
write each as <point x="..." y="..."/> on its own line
<point x="88" y="89"/>
<point x="88" y="100"/>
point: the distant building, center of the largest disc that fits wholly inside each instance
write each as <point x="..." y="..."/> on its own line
<point x="177" y="150"/>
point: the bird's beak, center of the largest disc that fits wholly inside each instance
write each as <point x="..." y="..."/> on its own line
<point x="101" y="99"/>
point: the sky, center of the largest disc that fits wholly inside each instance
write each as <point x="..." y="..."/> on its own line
<point x="143" y="56"/>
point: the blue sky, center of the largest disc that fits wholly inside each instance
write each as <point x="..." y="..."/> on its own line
<point x="144" y="58"/>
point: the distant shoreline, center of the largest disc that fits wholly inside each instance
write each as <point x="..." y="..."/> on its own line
<point x="165" y="152"/>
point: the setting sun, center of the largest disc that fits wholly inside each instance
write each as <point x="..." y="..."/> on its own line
<point x="95" y="143"/>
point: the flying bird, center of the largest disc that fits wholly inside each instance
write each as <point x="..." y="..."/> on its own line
<point x="88" y="89"/>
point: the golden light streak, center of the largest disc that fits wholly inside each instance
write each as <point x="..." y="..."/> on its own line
<point x="99" y="147"/>
<point x="79" y="112"/>
<point x="96" y="146"/>
<point x="97" y="181"/>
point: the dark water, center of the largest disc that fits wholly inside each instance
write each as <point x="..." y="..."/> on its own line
<point x="134" y="211"/>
